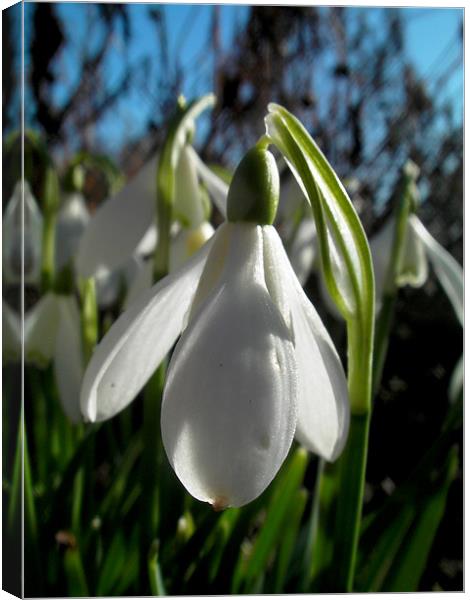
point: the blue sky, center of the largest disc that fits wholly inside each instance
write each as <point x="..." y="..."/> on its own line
<point x="431" y="42"/>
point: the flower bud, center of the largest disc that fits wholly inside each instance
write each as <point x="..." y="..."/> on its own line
<point x="254" y="192"/>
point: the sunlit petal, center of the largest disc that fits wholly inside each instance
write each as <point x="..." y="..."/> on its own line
<point x="448" y="270"/>
<point x="138" y="341"/>
<point x="40" y="331"/>
<point x="72" y="220"/>
<point x="228" y="413"/>
<point x="188" y="204"/>
<point x="216" y="187"/>
<point x="187" y="242"/>
<point x="12" y="239"/>
<point x="68" y="361"/>
<point x="119" y="224"/>
<point x="11" y="334"/>
<point x="323" y="418"/>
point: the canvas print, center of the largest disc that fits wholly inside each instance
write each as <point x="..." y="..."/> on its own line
<point x="232" y="310"/>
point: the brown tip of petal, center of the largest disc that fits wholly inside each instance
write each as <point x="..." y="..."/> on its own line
<point x="219" y="503"/>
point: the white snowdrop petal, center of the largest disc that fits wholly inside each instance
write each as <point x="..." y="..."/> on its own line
<point x="138" y="341"/>
<point x="187" y="242"/>
<point x="448" y="270"/>
<point x="414" y="269"/>
<point x="11" y="334"/>
<point x="229" y="409"/>
<point x="12" y="239"/>
<point x="119" y="224"/>
<point x="323" y="404"/>
<point x="188" y="205"/>
<point x="40" y="330"/>
<point x="68" y="360"/>
<point x="216" y="186"/>
<point x="141" y="282"/>
<point x="148" y="242"/>
<point x="72" y="220"/>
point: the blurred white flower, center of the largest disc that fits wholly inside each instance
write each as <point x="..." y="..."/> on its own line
<point x="40" y="330"/>
<point x="11" y="334"/>
<point x="122" y="223"/>
<point x="414" y="266"/>
<point x="448" y="271"/>
<point x="253" y="366"/>
<point x="68" y="356"/>
<point x="52" y="332"/>
<point x="72" y="219"/>
<point x="12" y="238"/>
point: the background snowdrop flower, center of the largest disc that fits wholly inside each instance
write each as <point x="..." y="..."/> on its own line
<point x="68" y="356"/>
<point x="122" y="222"/>
<point x="187" y="242"/>
<point x="52" y="332"/>
<point x="119" y="224"/>
<point x="254" y="363"/>
<point x="72" y="219"/>
<point x="12" y="238"/>
<point x="40" y="331"/>
<point x="414" y="265"/>
<point x="11" y="334"/>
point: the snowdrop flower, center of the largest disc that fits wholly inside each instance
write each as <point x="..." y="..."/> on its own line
<point x="52" y="332"/>
<point x="12" y="238"/>
<point x="68" y="356"/>
<point x="40" y="331"/>
<point x="254" y="364"/>
<point x="190" y="210"/>
<point x="72" y="219"/>
<point x="11" y="334"/>
<point x="414" y="266"/>
<point x="121" y="223"/>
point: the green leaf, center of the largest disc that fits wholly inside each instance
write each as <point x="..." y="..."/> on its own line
<point x="407" y="570"/>
<point x="278" y="515"/>
<point x="157" y="586"/>
<point x="14" y="500"/>
<point x="291" y="528"/>
<point x="76" y="580"/>
<point x="386" y="533"/>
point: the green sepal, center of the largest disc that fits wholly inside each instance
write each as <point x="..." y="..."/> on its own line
<point x="253" y="195"/>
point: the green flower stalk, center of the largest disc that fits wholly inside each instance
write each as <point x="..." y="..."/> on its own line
<point x="179" y="134"/>
<point x="399" y="271"/>
<point x="51" y="202"/>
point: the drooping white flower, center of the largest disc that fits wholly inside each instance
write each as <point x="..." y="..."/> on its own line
<point x="187" y="242"/>
<point x="68" y="357"/>
<point x="40" y="331"/>
<point x="52" y="333"/>
<point x="12" y="237"/>
<point x="72" y="219"/>
<point x="11" y="334"/>
<point x="122" y="222"/>
<point x="449" y="272"/>
<point x="414" y="266"/>
<point x="254" y="365"/>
